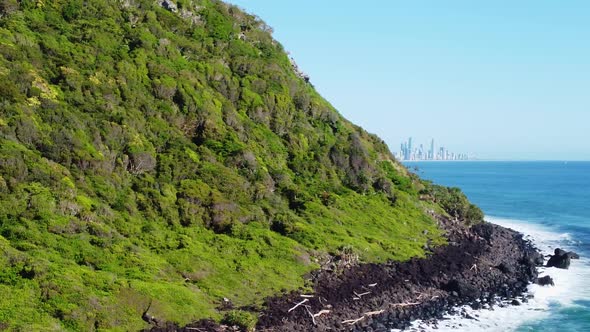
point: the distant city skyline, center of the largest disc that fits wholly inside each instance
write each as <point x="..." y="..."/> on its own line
<point x="506" y="79"/>
<point x="416" y="152"/>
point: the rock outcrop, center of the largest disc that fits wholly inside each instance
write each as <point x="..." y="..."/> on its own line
<point x="562" y="259"/>
<point x="545" y="281"/>
<point x="169" y="5"/>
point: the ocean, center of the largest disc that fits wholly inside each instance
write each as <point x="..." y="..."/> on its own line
<point x="549" y="202"/>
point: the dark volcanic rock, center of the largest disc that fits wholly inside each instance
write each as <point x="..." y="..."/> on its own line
<point x="561" y="259"/>
<point x="570" y="254"/>
<point x="505" y="268"/>
<point x="462" y="288"/>
<point x="535" y="258"/>
<point x="544" y="281"/>
<point x="573" y="255"/>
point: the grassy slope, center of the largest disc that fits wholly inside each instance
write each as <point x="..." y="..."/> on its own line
<point x="178" y="158"/>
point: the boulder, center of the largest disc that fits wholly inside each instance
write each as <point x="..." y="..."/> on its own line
<point x="570" y="254"/>
<point x="545" y="281"/>
<point x="169" y="5"/>
<point x="559" y="252"/>
<point x="560" y="262"/>
<point x="538" y="259"/>
<point x="505" y="268"/>
<point x="534" y="258"/>
<point x="561" y="259"/>
<point x="462" y="288"/>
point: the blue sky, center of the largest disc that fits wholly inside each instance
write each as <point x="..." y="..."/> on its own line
<point x="501" y="79"/>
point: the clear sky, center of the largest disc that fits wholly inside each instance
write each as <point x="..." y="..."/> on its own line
<point x="502" y="79"/>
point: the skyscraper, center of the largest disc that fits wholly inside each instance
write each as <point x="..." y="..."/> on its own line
<point x="431" y="152"/>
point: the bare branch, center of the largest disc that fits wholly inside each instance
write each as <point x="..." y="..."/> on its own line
<point x="358" y="296"/>
<point x="353" y="321"/>
<point x="366" y="314"/>
<point x="407" y="304"/>
<point x="373" y="313"/>
<point x="298" y="304"/>
<point x="311" y="315"/>
<point x="322" y="313"/>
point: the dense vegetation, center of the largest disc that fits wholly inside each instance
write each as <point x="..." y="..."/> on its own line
<point x="169" y="152"/>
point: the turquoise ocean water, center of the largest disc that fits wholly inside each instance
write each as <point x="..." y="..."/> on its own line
<point x="550" y="203"/>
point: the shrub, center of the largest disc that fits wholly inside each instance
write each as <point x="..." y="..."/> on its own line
<point x="454" y="202"/>
<point x="242" y="319"/>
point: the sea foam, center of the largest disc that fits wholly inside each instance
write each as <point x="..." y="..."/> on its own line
<point x="570" y="287"/>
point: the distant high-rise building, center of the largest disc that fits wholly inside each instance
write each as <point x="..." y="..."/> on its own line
<point x="431" y="152"/>
<point x="402" y="151"/>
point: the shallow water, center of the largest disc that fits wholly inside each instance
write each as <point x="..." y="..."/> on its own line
<point x="548" y="201"/>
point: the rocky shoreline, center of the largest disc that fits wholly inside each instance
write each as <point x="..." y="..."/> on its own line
<point x="481" y="266"/>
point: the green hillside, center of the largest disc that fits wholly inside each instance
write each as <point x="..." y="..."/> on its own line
<point x="170" y="152"/>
